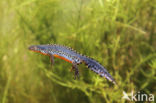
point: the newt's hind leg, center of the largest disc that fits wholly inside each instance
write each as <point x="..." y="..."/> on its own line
<point x="75" y="68"/>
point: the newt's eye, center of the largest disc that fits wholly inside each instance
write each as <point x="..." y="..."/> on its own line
<point x="35" y="48"/>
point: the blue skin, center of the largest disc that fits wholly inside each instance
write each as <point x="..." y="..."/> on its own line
<point x="75" y="57"/>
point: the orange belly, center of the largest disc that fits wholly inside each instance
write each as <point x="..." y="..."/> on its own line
<point x="62" y="58"/>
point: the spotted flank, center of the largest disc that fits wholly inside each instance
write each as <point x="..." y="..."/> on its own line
<point x="72" y="57"/>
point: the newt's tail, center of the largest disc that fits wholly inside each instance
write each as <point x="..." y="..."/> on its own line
<point x="98" y="68"/>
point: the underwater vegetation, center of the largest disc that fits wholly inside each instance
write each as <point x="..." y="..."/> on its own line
<point x="119" y="34"/>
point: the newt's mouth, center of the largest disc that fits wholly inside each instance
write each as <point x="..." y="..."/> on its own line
<point x="36" y="49"/>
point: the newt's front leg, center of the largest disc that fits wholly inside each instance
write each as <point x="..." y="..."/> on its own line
<point x="52" y="59"/>
<point x="75" y="68"/>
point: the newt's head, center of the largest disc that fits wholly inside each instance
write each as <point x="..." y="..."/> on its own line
<point x="38" y="48"/>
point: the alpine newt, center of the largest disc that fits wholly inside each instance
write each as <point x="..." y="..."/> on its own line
<point x="71" y="56"/>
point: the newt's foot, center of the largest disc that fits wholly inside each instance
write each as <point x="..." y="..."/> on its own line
<point x="75" y="68"/>
<point x="76" y="75"/>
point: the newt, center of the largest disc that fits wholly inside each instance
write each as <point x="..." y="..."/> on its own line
<point x="73" y="57"/>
